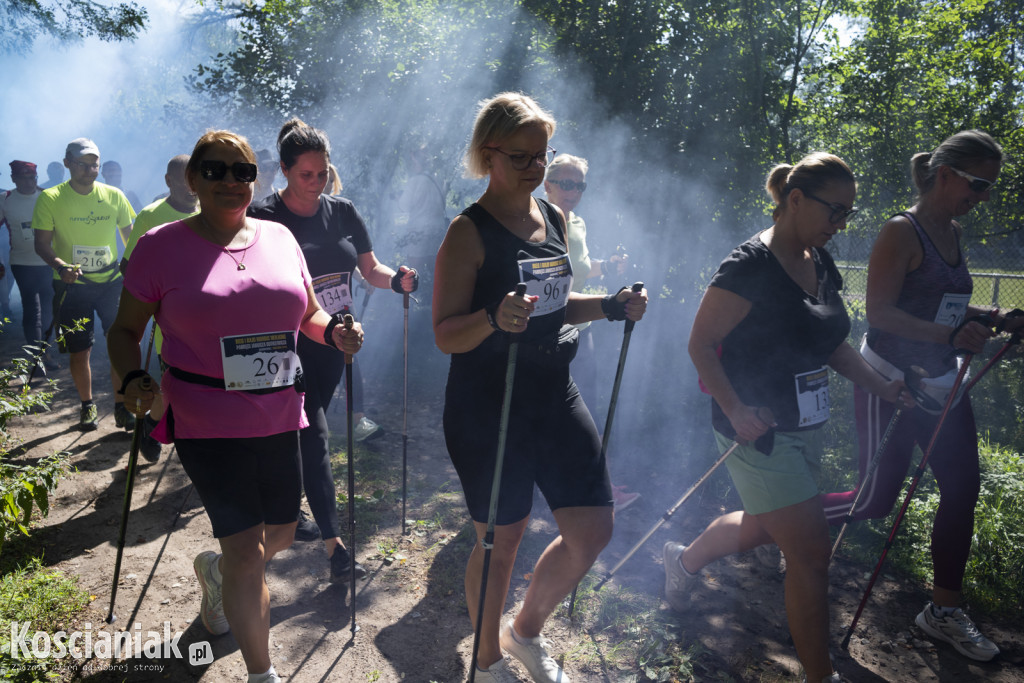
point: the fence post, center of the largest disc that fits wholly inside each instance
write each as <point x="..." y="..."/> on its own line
<point x="995" y="291"/>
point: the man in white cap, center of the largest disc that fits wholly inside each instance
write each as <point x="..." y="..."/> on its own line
<point x="76" y="225"/>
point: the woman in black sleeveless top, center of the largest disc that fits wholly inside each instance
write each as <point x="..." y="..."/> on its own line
<point x="507" y="237"/>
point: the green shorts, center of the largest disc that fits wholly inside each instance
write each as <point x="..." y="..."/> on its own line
<point x="771" y="482"/>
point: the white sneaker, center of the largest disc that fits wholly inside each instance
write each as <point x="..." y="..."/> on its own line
<point x="364" y="429"/>
<point x="533" y="655"/>
<point x="959" y="631"/>
<point x="211" y="611"/>
<point x="678" y="584"/>
<point x="496" y="673"/>
<point x="834" y="678"/>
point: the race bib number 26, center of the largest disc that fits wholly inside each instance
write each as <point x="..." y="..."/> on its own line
<point x="259" y="361"/>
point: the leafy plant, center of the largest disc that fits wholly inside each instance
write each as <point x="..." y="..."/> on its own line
<point x="46" y="598"/>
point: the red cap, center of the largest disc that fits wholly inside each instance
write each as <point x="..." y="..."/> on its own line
<point x="22" y="168"/>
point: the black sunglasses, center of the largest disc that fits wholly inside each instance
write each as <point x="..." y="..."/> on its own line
<point x="974" y="182"/>
<point x="839" y="212"/>
<point x="570" y="185"/>
<point x="242" y="171"/>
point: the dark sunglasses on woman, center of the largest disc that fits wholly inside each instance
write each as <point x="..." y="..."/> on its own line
<point x="570" y="185"/>
<point x="242" y="171"/>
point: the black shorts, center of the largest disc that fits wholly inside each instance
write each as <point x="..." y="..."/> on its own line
<point x="551" y="442"/>
<point x="85" y="300"/>
<point x="245" y="482"/>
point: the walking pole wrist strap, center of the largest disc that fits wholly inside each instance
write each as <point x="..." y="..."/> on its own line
<point x="612" y="308"/>
<point x="134" y="374"/>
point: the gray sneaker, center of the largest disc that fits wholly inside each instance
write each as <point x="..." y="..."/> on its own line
<point x="532" y="654"/>
<point x="496" y="673"/>
<point x="678" y="585"/>
<point x="959" y="631"/>
<point x="211" y="611"/>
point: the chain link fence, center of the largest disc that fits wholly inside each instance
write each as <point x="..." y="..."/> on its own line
<point x="997" y="267"/>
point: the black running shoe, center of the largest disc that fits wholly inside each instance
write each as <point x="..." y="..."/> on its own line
<point x="150" y="447"/>
<point x="306" y="530"/>
<point x="123" y="418"/>
<point x="341" y="566"/>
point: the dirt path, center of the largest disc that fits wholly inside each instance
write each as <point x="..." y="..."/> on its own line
<point x="411" y="613"/>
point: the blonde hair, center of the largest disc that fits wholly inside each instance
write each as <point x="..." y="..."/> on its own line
<point x="566" y="160"/>
<point x="498" y="119"/>
<point x="811" y="174"/>
<point x="965" y="148"/>
<point x="334" y="181"/>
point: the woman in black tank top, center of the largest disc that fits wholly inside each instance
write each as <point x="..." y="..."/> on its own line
<point x="506" y="237"/>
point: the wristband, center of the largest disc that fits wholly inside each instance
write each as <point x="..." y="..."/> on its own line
<point x="134" y="374"/>
<point x="396" y="281"/>
<point x="612" y="308"/>
<point x="492" y="311"/>
<point x="336" y="320"/>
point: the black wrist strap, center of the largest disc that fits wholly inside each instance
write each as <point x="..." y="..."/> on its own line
<point x="134" y="374"/>
<point x="612" y="308"/>
<point x="336" y="320"/>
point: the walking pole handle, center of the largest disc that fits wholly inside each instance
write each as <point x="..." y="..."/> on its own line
<point x="348" y="321"/>
<point x="637" y="287"/>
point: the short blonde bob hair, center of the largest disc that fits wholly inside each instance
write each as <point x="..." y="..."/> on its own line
<point x="498" y="119"/>
<point x="567" y="161"/>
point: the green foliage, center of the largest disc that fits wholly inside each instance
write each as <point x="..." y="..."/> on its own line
<point x="22" y="22"/>
<point x="23" y="487"/>
<point x="49" y="600"/>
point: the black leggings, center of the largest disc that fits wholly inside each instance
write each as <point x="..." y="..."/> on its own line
<point x="322" y="368"/>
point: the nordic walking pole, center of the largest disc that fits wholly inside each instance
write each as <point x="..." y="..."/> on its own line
<point x="492" y="512"/>
<point x="626" y="334"/>
<point x="405" y="402"/>
<point x="672" y="510"/>
<point x="349" y="321"/>
<point x="912" y="378"/>
<point x="126" y="506"/>
<point x="910" y="494"/>
<point x="1014" y="340"/>
<point x="666" y="516"/>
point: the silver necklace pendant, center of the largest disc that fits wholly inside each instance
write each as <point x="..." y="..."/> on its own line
<point x="241" y="266"/>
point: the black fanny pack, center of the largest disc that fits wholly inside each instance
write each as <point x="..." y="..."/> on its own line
<point x="556" y="352"/>
<point x="218" y="382"/>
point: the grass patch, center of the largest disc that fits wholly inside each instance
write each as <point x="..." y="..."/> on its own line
<point x="47" y="598"/>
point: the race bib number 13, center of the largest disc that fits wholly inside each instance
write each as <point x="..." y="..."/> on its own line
<point x="259" y="361"/>
<point x="549" y="279"/>
<point x="812" y="397"/>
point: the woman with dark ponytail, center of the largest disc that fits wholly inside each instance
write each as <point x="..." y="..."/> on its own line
<point x="770" y="322"/>
<point x="335" y="244"/>
<point x="918" y="308"/>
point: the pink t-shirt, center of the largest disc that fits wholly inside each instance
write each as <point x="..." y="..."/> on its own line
<point x="202" y="297"/>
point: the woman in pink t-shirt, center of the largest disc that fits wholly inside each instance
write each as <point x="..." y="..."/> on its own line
<point x="230" y="294"/>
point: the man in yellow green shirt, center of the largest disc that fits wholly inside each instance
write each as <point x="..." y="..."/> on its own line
<point x="76" y="227"/>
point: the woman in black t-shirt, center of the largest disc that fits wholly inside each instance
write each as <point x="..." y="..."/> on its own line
<point x="767" y="327"/>
<point x="506" y="237"/>
<point x="335" y="244"/>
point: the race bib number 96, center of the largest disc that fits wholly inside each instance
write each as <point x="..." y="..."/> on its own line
<point x="549" y="279"/>
<point x="259" y="361"/>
